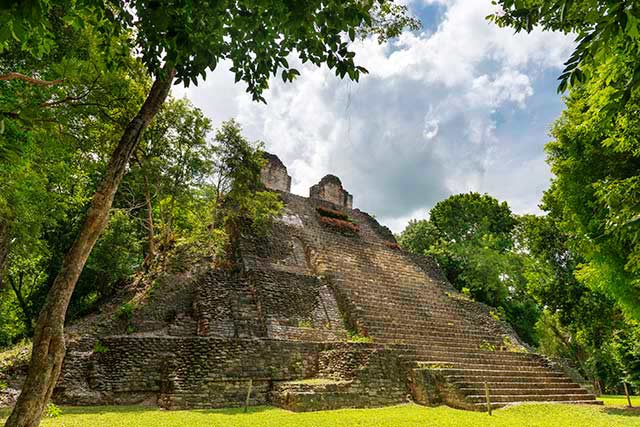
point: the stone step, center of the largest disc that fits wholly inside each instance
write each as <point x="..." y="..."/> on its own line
<point x="475" y="353"/>
<point x="485" y="365"/>
<point x="413" y="306"/>
<point x="493" y="374"/>
<point x="479" y="398"/>
<point x="443" y="342"/>
<point x="428" y="326"/>
<point x="510" y="382"/>
<point x="484" y="360"/>
<point x="481" y="406"/>
<point x="445" y="347"/>
<point x="420" y="337"/>
<point x="526" y="389"/>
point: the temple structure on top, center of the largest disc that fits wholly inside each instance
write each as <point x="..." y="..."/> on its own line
<point x="275" y="177"/>
<point x="274" y="174"/>
<point x="330" y="189"/>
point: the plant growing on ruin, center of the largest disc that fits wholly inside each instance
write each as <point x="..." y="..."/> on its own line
<point x="99" y="347"/>
<point x="339" y="225"/>
<point x="509" y="345"/>
<point x="125" y="311"/>
<point x="305" y="323"/>
<point x="353" y="336"/>
<point x="392" y="245"/>
<point x="332" y="213"/>
<point x="495" y="314"/>
<point x="487" y="346"/>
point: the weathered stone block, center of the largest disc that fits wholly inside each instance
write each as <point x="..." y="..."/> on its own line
<point x="330" y="189"/>
<point x="274" y="174"/>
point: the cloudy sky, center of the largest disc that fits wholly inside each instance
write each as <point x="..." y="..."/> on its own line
<point x="459" y="106"/>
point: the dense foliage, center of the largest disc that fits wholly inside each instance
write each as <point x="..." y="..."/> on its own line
<point x="587" y="249"/>
<point x="169" y="202"/>
<point x="597" y="188"/>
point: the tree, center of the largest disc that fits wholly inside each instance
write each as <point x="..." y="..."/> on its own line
<point x="419" y="236"/>
<point x="176" y="41"/>
<point x="173" y="158"/>
<point x="245" y="196"/>
<point x="596" y="189"/>
<point x="605" y="30"/>
<point x="472" y="215"/>
<point x="55" y="143"/>
<point x="471" y="237"/>
<point x="578" y="323"/>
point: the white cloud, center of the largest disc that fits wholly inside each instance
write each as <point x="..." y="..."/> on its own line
<point x="423" y="124"/>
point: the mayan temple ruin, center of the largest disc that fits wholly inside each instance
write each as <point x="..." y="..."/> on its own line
<point x="326" y="312"/>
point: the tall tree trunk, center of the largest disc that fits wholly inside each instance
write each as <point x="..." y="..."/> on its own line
<point x="26" y="312"/>
<point x="151" y="249"/>
<point x="48" y="339"/>
<point x="4" y="246"/>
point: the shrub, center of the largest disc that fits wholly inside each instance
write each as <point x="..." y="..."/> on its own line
<point x="354" y="337"/>
<point x="305" y="323"/>
<point x="3" y="386"/>
<point x="125" y="311"/>
<point x="340" y="225"/>
<point x="487" y="346"/>
<point x="497" y="315"/>
<point x="98" y="347"/>
<point x="53" y="411"/>
<point x="392" y="245"/>
<point x="508" y="345"/>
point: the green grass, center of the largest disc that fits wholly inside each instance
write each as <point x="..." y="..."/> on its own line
<point x="620" y="400"/>
<point x="398" y="416"/>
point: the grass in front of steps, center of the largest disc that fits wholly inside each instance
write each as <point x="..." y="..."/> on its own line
<point x="617" y="400"/>
<point x="410" y="415"/>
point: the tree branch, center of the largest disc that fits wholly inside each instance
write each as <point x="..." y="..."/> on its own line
<point x="30" y="80"/>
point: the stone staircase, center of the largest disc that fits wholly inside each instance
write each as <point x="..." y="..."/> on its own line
<point x="450" y="345"/>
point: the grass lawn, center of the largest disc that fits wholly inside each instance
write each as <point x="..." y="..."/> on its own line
<point x="409" y="415"/>
<point x="620" y="400"/>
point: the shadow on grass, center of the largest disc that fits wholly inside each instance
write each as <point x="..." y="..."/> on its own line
<point x="623" y="410"/>
<point x="92" y="410"/>
<point x="139" y="409"/>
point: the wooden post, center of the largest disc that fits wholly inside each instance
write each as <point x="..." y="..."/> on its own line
<point x="246" y="402"/>
<point x="626" y="393"/>
<point x="488" y="396"/>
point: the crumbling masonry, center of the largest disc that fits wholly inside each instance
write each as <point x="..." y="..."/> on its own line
<point x="327" y="312"/>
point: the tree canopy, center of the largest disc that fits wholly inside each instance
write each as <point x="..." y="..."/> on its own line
<point x="257" y="37"/>
<point x="596" y="189"/>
